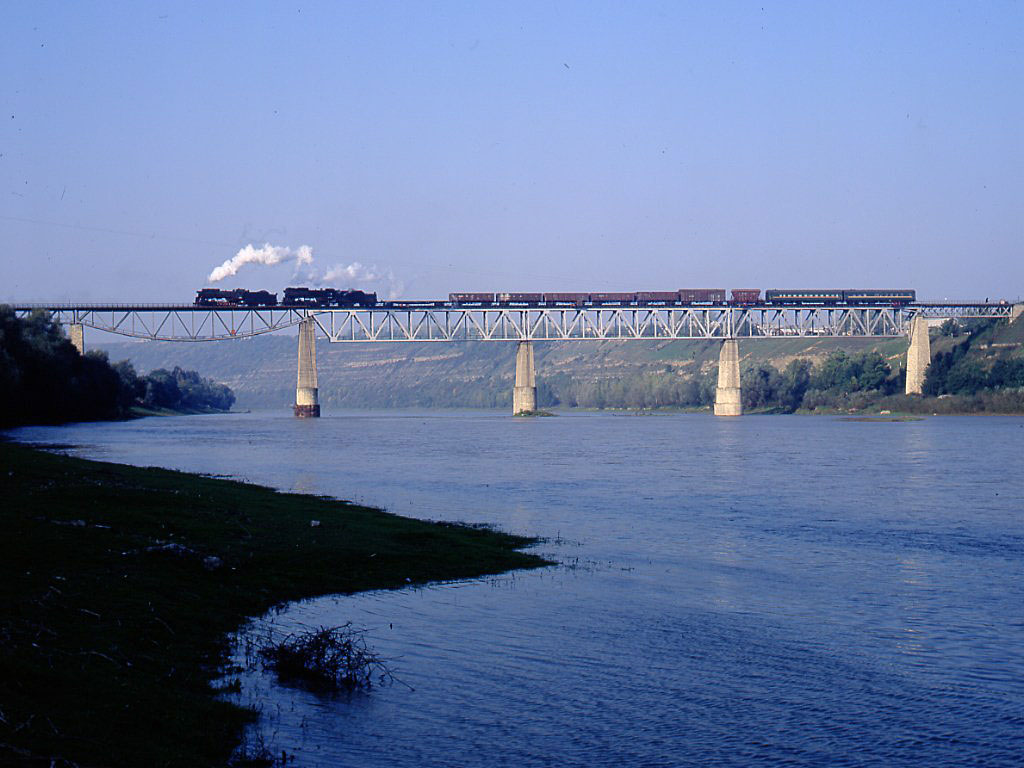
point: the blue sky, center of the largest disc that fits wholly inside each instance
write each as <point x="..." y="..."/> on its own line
<point x="513" y="146"/>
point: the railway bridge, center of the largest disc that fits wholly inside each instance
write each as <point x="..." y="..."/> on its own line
<point x="441" y="322"/>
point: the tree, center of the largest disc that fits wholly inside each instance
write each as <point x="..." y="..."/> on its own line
<point x="873" y="371"/>
<point x="759" y="386"/>
<point x="796" y="380"/>
<point x="966" y="377"/>
<point x="1006" y="373"/>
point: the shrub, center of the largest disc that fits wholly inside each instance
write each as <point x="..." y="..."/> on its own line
<point x="328" y="658"/>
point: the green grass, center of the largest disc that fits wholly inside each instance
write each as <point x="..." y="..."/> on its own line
<point x="112" y="628"/>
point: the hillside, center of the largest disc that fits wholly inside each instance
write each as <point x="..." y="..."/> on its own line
<point x="262" y="371"/>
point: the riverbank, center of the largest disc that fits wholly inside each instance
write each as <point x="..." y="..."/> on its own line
<point x="142" y="412"/>
<point x="119" y="586"/>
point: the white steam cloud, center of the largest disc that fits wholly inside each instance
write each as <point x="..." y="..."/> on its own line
<point x="354" y="275"/>
<point x="357" y="275"/>
<point x="268" y="254"/>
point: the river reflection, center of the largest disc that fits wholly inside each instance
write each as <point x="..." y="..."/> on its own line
<point x="763" y="590"/>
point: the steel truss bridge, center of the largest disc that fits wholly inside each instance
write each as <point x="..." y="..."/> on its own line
<point x="433" y="322"/>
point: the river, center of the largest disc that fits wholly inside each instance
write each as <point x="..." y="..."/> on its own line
<point x="769" y="590"/>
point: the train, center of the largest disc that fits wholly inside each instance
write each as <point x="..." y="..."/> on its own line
<point x="320" y="298"/>
<point x="694" y="296"/>
<point x="334" y="298"/>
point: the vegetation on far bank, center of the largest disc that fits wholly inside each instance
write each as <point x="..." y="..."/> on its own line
<point x="970" y="372"/>
<point x="650" y="375"/>
<point x="44" y="379"/>
<point x="119" y="587"/>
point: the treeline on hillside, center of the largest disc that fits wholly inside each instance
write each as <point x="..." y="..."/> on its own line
<point x="800" y="385"/>
<point x="841" y="381"/>
<point x="44" y="379"/>
<point x="954" y="373"/>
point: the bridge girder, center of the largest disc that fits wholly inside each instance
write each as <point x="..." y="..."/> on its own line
<point x="448" y="324"/>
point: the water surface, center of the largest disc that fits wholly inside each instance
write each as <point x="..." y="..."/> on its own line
<point x="755" y="591"/>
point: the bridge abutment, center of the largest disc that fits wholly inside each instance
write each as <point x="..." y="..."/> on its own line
<point x="727" y="394"/>
<point x="919" y="355"/>
<point x="307" y="404"/>
<point x="524" y="394"/>
<point x="1016" y="311"/>
<point x="76" y="332"/>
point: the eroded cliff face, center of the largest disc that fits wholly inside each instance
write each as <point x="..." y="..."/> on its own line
<point x="262" y="371"/>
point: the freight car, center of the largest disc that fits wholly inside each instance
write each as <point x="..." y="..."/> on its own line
<point x="657" y="297"/>
<point x="566" y="299"/>
<point x="612" y="298"/>
<point x="702" y="296"/>
<point x="746" y="296"/>
<point x="520" y="298"/>
<point x="239" y="297"/>
<point x="471" y="298"/>
<point x="327" y="298"/>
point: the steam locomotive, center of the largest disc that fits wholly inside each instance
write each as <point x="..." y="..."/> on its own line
<point x="214" y="297"/>
<point x="327" y="297"/>
<point x="293" y="297"/>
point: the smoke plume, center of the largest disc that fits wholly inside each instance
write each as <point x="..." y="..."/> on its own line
<point x="268" y="254"/>
<point x="357" y="275"/>
<point x="354" y="275"/>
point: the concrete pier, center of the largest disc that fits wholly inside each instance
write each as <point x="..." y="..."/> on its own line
<point x="76" y="332"/>
<point x="919" y="355"/>
<point x="524" y="395"/>
<point x="307" y="404"/>
<point x="727" y="395"/>
<point x="1016" y="311"/>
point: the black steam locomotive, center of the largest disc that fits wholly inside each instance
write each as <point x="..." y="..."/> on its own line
<point x="240" y="297"/>
<point x="327" y="297"/>
<point x="293" y="297"/>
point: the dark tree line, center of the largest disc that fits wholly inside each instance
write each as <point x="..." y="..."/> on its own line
<point x="44" y="379"/>
<point x="177" y="389"/>
<point x="648" y="390"/>
<point x="838" y="381"/>
<point x="954" y="373"/>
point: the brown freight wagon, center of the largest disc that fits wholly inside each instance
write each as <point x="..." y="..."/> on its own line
<point x="647" y="297"/>
<point x="746" y="295"/>
<point x="471" y="298"/>
<point x="603" y="298"/>
<point x="578" y="299"/>
<point x="520" y="298"/>
<point x="702" y="295"/>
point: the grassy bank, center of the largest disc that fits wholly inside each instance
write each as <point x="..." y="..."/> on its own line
<point x="119" y="585"/>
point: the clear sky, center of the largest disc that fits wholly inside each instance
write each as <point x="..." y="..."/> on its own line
<point x="513" y="146"/>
